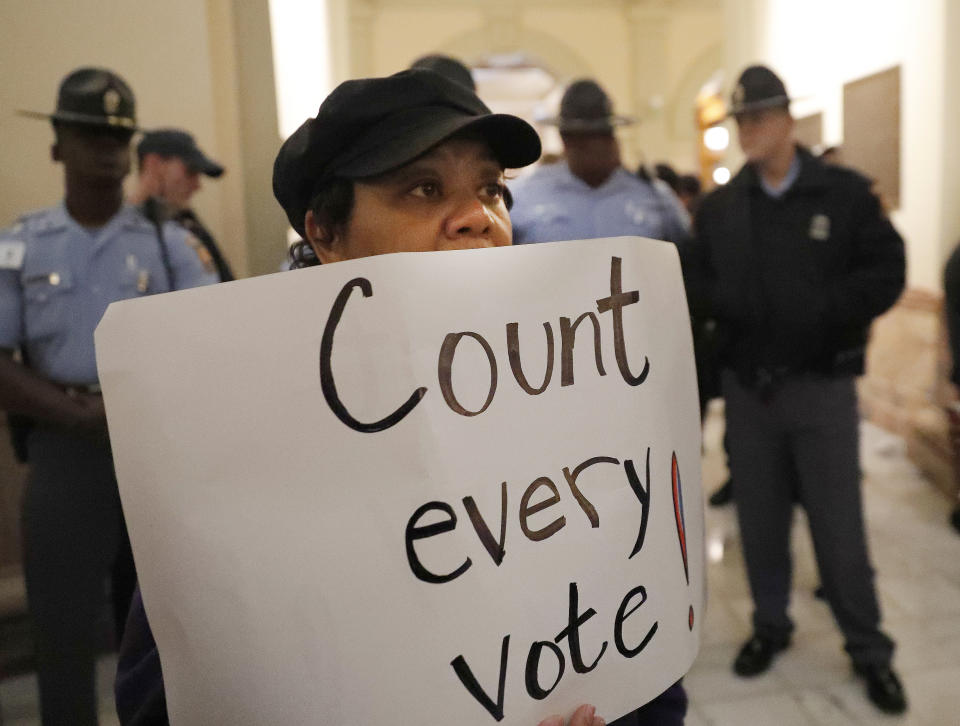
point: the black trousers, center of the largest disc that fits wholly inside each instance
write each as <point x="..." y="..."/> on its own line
<point x="803" y="442"/>
<point x="74" y="542"/>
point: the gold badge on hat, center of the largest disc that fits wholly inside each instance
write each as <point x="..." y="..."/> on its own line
<point x="820" y="227"/>
<point x="111" y="101"/>
<point x="738" y="95"/>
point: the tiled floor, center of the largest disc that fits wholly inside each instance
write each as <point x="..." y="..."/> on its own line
<point x="917" y="557"/>
<point x="18" y="697"/>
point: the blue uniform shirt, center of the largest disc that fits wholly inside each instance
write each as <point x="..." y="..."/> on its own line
<point x="552" y="204"/>
<point x="57" y="279"/>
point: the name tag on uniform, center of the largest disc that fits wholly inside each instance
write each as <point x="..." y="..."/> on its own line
<point x="11" y="254"/>
<point x="820" y="227"/>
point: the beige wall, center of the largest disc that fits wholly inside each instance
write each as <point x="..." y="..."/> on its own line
<point x="207" y="66"/>
<point x="950" y="193"/>
<point x="154" y="46"/>
<point x="859" y="38"/>
<point x="651" y="57"/>
<point x="181" y="58"/>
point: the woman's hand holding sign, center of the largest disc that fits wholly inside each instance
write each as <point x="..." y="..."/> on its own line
<point x="583" y="716"/>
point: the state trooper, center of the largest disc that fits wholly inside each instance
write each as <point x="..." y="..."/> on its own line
<point x="794" y="259"/>
<point x="589" y="193"/>
<point x="60" y="268"/>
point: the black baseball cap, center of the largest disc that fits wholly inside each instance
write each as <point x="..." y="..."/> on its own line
<point x="757" y="88"/>
<point x="586" y="108"/>
<point x="370" y="126"/>
<point x="93" y="97"/>
<point x="174" y="142"/>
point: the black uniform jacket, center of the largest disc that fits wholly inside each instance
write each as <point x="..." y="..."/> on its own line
<point x="951" y="307"/>
<point x="793" y="283"/>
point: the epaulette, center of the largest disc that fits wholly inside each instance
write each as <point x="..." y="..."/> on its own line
<point x="849" y="174"/>
<point x="43" y="221"/>
<point x="13" y="246"/>
<point x="14" y="232"/>
<point x="136" y="220"/>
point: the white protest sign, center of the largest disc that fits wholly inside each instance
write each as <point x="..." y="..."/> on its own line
<point x="455" y="487"/>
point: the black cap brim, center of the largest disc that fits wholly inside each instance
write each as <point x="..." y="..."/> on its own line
<point x="367" y="127"/>
<point x="403" y="137"/>
<point x="204" y="165"/>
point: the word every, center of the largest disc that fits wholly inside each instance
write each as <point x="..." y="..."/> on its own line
<point x="613" y="304"/>
<point x="631" y="602"/>
<point x="495" y="547"/>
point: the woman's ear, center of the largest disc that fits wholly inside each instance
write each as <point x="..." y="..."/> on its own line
<point x="321" y="240"/>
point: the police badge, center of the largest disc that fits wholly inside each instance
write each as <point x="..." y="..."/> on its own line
<point x="111" y="101"/>
<point x="738" y="96"/>
<point x="819" y="227"/>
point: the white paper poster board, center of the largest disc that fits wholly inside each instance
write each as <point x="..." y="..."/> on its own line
<point x="398" y="490"/>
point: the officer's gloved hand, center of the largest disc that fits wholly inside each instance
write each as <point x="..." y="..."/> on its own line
<point x="583" y="716"/>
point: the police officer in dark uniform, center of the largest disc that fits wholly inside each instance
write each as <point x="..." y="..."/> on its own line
<point x="59" y="269"/>
<point x="170" y="165"/>
<point x="794" y="259"/>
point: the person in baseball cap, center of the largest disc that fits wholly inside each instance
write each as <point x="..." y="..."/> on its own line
<point x="412" y="162"/>
<point x="170" y="166"/>
<point x="369" y="128"/>
<point x="174" y="143"/>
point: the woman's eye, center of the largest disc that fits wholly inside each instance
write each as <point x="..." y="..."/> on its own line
<point x="494" y="190"/>
<point x="427" y="189"/>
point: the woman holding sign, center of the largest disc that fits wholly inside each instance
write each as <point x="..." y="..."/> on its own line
<point x="412" y="162"/>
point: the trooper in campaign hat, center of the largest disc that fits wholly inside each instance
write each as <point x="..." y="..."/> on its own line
<point x="60" y="268"/>
<point x="558" y="201"/>
<point x="170" y="165"/>
<point x="758" y="88"/>
<point x="792" y="261"/>
<point x="586" y="108"/>
<point x="93" y="97"/>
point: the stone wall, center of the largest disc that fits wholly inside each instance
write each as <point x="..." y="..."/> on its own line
<point x="906" y="384"/>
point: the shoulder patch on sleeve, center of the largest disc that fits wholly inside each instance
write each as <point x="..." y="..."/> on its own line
<point x="11" y="254"/>
<point x="206" y="259"/>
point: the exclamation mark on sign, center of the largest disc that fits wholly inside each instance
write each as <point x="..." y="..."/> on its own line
<point x="681" y="524"/>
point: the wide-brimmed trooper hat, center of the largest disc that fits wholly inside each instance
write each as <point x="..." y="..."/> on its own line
<point x="586" y="108"/>
<point x="93" y="97"/>
<point x="757" y="88"/>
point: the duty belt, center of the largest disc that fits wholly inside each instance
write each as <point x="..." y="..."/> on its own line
<point x="768" y="379"/>
<point x="89" y="389"/>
